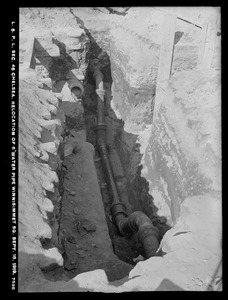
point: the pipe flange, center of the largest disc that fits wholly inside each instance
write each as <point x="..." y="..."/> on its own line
<point x="100" y="126"/>
<point x="119" y="212"/>
<point x="120" y="228"/>
<point x="118" y="203"/>
<point x="117" y="209"/>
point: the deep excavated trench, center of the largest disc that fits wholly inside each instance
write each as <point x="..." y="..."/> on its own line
<point x="77" y="222"/>
<point x="77" y="230"/>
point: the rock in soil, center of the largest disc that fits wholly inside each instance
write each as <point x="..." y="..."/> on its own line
<point x="88" y="226"/>
<point x="69" y="264"/>
<point x="71" y="239"/>
<point x="72" y="193"/>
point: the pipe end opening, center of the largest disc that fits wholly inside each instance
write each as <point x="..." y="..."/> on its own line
<point x="76" y="91"/>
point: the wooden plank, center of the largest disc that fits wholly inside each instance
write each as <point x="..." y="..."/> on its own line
<point x="165" y="58"/>
<point x="29" y="53"/>
<point x="192" y="20"/>
<point x="207" y="44"/>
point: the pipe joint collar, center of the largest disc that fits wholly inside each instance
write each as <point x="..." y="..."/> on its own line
<point x="118" y="207"/>
<point x="100" y="126"/>
<point x="124" y="228"/>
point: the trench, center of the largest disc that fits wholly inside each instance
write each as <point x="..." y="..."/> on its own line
<point x="74" y="232"/>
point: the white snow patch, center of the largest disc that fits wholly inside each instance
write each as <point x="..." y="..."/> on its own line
<point x="163" y="208"/>
<point x="164" y="185"/>
<point x="169" y="161"/>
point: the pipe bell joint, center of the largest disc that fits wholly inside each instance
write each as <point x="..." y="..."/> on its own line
<point x="100" y="130"/>
<point x="118" y="211"/>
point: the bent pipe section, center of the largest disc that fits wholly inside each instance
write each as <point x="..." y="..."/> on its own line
<point x="137" y="222"/>
<point x="76" y="87"/>
<point x="147" y="233"/>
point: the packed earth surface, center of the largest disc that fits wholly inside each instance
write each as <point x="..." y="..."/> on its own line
<point x="166" y="158"/>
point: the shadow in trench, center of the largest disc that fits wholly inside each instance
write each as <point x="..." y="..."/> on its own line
<point x="37" y="273"/>
<point x="58" y="67"/>
<point x="33" y="278"/>
<point x="44" y="57"/>
<point x="168" y="285"/>
<point x="52" y="279"/>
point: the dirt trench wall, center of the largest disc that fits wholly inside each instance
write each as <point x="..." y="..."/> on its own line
<point x="39" y="138"/>
<point x="179" y="146"/>
<point x="180" y="143"/>
<point x="133" y="43"/>
<point x="183" y="156"/>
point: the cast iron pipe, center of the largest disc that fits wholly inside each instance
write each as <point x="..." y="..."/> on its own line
<point x="147" y="233"/>
<point x="75" y="86"/>
<point x="138" y="221"/>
